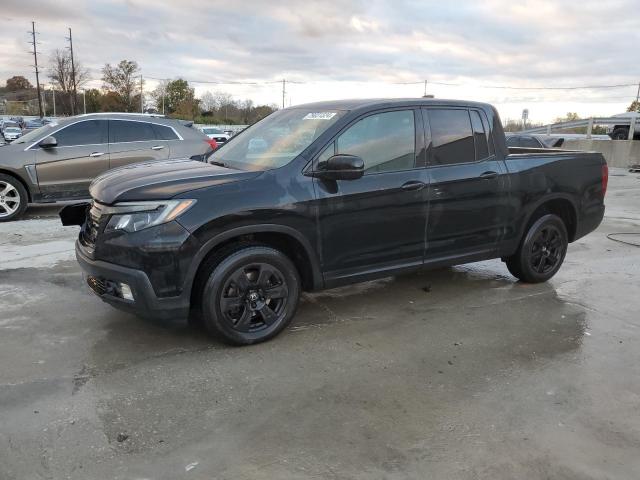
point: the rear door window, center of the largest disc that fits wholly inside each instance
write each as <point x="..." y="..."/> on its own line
<point x="122" y="131"/>
<point x="451" y="136"/>
<point x="88" y="132"/>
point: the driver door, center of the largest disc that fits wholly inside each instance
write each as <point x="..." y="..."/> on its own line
<point x="375" y="224"/>
<point x="82" y="153"/>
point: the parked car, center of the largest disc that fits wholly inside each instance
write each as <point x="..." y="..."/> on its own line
<point x="621" y="132"/>
<point x="32" y="125"/>
<point x="8" y="124"/>
<point x="216" y="134"/>
<point x="58" y="161"/>
<point x="11" y="133"/>
<point x="342" y="192"/>
<point x="533" y="141"/>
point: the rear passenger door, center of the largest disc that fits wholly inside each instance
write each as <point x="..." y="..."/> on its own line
<point x="467" y="185"/>
<point x="132" y="141"/>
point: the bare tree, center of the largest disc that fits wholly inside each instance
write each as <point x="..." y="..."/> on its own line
<point x="207" y="102"/>
<point x="61" y="72"/>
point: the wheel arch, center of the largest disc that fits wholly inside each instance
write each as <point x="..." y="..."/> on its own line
<point x="286" y="239"/>
<point x="17" y="177"/>
<point x="560" y="205"/>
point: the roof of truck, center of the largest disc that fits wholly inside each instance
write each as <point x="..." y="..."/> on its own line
<point x="352" y="104"/>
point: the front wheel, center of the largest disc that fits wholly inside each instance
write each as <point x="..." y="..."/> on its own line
<point x="13" y="198"/>
<point x="541" y="252"/>
<point x="250" y="296"/>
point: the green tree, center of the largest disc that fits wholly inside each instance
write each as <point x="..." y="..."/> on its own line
<point x="93" y="97"/>
<point x="18" y="83"/>
<point x="122" y="79"/>
<point x="178" y="96"/>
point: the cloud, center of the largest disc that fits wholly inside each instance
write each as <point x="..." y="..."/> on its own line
<point x="528" y="42"/>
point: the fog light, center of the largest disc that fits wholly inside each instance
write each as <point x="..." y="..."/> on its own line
<point x="125" y="291"/>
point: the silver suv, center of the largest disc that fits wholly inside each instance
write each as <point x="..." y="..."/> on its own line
<point x="58" y="161"/>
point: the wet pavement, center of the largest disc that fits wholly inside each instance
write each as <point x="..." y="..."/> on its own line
<point x="459" y="373"/>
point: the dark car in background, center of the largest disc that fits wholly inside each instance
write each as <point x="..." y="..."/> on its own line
<point x="327" y="194"/>
<point x="533" y="141"/>
<point x="58" y="161"/>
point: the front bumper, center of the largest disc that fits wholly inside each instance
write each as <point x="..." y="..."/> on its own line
<point x="103" y="278"/>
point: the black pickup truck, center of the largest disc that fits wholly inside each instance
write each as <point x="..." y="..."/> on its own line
<point x="327" y="194"/>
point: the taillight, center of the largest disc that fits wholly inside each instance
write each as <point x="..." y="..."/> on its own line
<point x="212" y="142"/>
<point x="605" y="179"/>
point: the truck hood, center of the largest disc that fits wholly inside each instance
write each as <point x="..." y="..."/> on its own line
<point x="161" y="180"/>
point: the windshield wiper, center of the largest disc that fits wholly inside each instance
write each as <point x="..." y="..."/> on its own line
<point x="219" y="164"/>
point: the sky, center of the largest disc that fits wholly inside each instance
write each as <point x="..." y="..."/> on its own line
<point x="330" y="49"/>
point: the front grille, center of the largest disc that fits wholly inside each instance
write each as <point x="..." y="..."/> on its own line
<point x="92" y="224"/>
<point x="97" y="285"/>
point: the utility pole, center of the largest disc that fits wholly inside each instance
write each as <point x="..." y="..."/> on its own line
<point x="73" y="75"/>
<point x="638" y="94"/>
<point x="84" y="101"/>
<point x="283" y="91"/>
<point x="141" y="96"/>
<point x="35" y="58"/>
<point x="53" y="90"/>
<point x="425" y="89"/>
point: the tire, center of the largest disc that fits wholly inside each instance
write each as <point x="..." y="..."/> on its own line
<point x="249" y="296"/>
<point x="13" y="198"/>
<point x="541" y="251"/>
<point x="620" y="134"/>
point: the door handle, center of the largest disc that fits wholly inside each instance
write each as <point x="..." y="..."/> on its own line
<point x="96" y="154"/>
<point x="157" y="147"/>
<point x="489" y="175"/>
<point x="413" y="185"/>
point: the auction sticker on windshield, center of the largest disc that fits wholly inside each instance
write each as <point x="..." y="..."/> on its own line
<point x="319" y="116"/>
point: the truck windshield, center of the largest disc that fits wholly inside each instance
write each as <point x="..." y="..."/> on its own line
<point x="275" y="140"/>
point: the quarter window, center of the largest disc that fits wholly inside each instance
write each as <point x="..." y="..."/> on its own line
<point x="164" y="133"/>
<point x="479" y="136"/>
<point x="384" y="141"/>
<point x="123" y="131"/>
<point x="88" y="132"/>
<point x="529" y="142"/>
<point x="452" y="137"/>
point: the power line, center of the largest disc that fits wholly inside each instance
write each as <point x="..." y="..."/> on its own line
<point x="507" y="87"/>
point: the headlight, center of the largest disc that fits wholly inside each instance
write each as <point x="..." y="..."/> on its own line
<point x="136" y="216"/>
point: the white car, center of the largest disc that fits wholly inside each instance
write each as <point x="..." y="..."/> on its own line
<point x="216" y="134"/>
<point x="11" y="133"/>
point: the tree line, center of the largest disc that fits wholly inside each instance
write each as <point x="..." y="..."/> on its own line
<point x="122" y="86"/>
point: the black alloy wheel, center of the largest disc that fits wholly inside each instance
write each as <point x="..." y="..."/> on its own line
<point x="250" y="295"/>
<point x="541" y="251"/>
<point x="254" y="297"/>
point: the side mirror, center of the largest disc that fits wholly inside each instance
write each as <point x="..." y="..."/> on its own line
<point x="341" y="167"/>
<point x="48" y="142"/>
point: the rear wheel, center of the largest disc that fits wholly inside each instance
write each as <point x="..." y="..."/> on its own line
<point x="13" y="198"/>
<point x="620" y="134"/>
<point x="541" y="252"/>
<point x="250" y="296"/>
